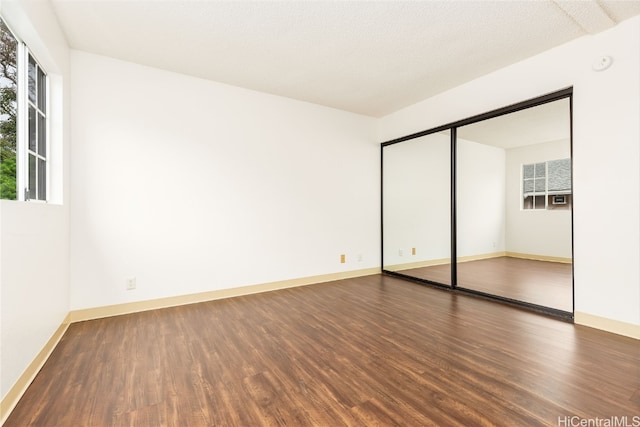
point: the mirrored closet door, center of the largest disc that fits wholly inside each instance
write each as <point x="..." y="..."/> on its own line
<point x="492" y="192"/>
<point x="514" y="206"/>
<point x="416" y="208"/>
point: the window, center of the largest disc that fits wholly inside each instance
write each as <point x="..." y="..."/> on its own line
<point x="534" y="185"/>
<point x="546" y="185"/>
<point x="23" y="121"/>
<point x="8" y="112"/>
<point x="37" y="146"/>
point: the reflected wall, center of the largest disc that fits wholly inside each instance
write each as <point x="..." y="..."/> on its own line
<point x="416" y="207"/>
<point x="514" y="235"/>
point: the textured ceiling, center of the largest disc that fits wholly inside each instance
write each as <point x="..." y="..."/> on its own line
<point x="368" y="57"/>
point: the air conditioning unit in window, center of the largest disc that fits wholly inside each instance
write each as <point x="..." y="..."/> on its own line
<point x="559" y="200"/>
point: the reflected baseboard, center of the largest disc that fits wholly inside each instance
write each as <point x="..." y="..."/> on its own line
<point x="539" y="257"/>
<point x="477" y="257"/>
<point x="417" y="264"/>
<point x="442" y="261"/>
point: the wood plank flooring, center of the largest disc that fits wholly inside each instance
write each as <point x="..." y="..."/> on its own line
<point x="544" y="283"/>
<point x="370" y="351"/>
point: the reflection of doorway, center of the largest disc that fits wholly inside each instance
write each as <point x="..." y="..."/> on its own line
<point x="510" y="206"/>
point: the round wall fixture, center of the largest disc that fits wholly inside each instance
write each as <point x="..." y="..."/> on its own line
<point x="602" y="63"/>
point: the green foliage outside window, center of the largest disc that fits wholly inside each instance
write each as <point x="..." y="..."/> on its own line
<point x="8" y="105"/>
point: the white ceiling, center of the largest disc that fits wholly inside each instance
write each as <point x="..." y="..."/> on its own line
<point x="368" y="57"/>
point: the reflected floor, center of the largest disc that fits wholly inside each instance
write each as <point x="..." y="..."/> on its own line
<point x="544" y="283"/>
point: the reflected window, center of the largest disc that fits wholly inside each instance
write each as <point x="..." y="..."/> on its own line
<point x="546" y="185"/>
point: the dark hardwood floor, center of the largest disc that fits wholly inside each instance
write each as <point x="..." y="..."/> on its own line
<point x="544" y="283"/>
<point x="370" y="351"/>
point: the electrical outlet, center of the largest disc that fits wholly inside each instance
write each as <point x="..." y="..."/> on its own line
<point x="131" y="283"/>
<point x="400" y="252"/>
<point x="359" y="257"/>
<point x="343" y="259"/>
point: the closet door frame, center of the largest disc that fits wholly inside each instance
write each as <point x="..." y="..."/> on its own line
<point x="452" y="128"/>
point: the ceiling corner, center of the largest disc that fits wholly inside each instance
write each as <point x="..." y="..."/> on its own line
<point x="588" y="15"/>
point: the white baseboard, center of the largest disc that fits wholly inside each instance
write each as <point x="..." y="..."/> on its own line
<point x="478" y="257"/>
<point x="536" y="257"/>
<point x="417" y="264"/>
<point x="441" y="261"/>
<point x="432" y="262"/>
<point x="14" y="394"/>
<point x="134" y="307"/>
<point x="11" y="399"/>
<point x="606" y="324"/>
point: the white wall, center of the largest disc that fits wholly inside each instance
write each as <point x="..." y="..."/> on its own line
<point x="536" y="232"/>
<point x="606" y="134"/>
<point x="480" y="201"/>
<point x="606" y="153"/>
<point x="193" y="186"/>
<point x="34" y="238"/>
<point x="417" y="200"/>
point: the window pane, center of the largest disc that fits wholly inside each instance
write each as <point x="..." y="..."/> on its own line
<point x="32" y="80"/>
<point x="32" y="176"/>
<point x="527" y="171"/>
<point x="528" y="202"/>
<point x="42" y="179"/>
<point x="528" y="186"/>
<point x="560" y="175"/>
<point x="539" y="200"/>
<point x="8" y="104"/>
<point x="42" y="136"/>
<point x="540" y="170"/>
<point x="540" y="184"/>
<point x="32" y="128"/>
<point x="42" y="90"/>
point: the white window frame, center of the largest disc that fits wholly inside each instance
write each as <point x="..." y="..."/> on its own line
<point x="546" y="194"/>
<point x="22" y="125"/>
<point x="535" y="193"/>
<point x="25" y="192"/>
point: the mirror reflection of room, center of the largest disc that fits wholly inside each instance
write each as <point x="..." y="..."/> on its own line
<point x="416" y="208"/>
<point x="514" y="200"/>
